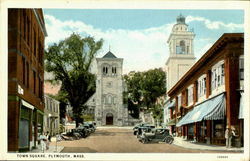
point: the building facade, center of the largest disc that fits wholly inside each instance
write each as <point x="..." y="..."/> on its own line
<point x="110" y="109"/>
<point x="51" y="118"/>
<point x="181" y="58"/>
<point x="208" y="96"/>
<point x="26" y="34"/>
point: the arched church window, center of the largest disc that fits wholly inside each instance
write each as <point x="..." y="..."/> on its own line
<point x="113" y="70"/>
<point x="109" y="99"/>
<point x="105" y="70"/>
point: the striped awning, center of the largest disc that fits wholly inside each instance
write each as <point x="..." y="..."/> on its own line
<point x="212" y="109"/>
<point x="241" y="106"/>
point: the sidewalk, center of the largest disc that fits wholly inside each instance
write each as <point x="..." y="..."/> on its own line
<point x="52" y="149"/>
<point x="202" y="146"/>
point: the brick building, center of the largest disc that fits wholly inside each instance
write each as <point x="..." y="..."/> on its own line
<point x="26" y="34"/>
<point x="208" y="97"/>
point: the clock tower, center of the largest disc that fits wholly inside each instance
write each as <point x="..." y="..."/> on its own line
<point x="181" y="53"/>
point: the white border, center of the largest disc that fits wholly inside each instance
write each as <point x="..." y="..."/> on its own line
<point x="122" y="4"/>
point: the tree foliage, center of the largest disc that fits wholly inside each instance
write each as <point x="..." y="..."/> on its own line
<point x="70" y="61"/>
<point x="145" y="87"/>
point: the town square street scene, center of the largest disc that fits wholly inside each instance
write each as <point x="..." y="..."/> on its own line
<point x="125" y="81"/>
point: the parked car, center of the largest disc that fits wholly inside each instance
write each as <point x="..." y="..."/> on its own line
<point x="92" y="126"/>
<point x="157" y="135"/>
<point x="146" y="128"/>
<point x="136" y="127"/>
<point x="82" y="131"/>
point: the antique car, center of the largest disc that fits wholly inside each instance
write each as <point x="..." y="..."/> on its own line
<point x="92" y="126"/>
<point x="136" y="127"/>
<point x="146" y="128"/>
<point x="156" y="135"/>
<point x="82" y="131"/>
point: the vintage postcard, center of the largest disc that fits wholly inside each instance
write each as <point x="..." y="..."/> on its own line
<point x="124" y="80"/>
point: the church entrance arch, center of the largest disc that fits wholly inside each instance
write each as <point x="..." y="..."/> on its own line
<point x="109" y="119"/>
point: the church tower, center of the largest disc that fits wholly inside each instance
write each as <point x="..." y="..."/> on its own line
<point x="181" y="53"/>
<point x="110" y="109"/>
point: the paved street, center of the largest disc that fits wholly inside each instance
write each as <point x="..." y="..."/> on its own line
<point x="119" y="140"/>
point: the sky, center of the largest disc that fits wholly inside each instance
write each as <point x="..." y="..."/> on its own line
<point x="139" y="36"/>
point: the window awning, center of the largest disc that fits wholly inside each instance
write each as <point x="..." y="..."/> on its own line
<point x="212" y="109"/>
<point x="26" y="104"/>
<point x="171" y="104"/>
<point x="171" y="122"/>
<point x="241" y="106"/>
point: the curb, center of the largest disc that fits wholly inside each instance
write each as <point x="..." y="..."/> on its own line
<point x="211" y="149"/>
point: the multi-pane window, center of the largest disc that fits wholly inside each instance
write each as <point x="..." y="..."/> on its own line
<point x="241" y="68"/>
<point x="23" y="61"/>
<point x="218" y="76"/>
<point x="202" y="86"/>
<point x="28" y="74"/>
<point x="190" y="95"/>
<point x="34" y="82"/>
<point x="179" y="101"/>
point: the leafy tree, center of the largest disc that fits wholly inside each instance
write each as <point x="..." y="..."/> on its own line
<point x="70" y="62"/>
<point x="144" y="88"/>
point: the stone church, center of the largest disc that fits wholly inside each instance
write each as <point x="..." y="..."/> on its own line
<point x="107" y="102"/>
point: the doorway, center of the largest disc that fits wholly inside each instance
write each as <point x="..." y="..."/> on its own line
<point x="109" y="119"/>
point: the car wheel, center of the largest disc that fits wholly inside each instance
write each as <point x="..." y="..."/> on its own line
<point x="144" y="141"/>
<point x="169" y="140"/>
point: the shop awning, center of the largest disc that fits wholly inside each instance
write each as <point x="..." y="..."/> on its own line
<point x="171" y="122"/>
<point x="171" y="104"/>
<point x="26" y="104"/>
<point x="241" y="106"/>
<point x="212" y="109"/>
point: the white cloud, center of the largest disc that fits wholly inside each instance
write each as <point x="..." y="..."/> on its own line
<point x="141" y="49"/>
<point x="214" y="24"/>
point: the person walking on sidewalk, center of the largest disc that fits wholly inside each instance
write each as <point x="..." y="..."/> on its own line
<point x="228" y="137"/>
<point x="43" y="141"/>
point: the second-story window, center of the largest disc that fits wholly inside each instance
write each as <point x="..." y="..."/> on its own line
<point x="241" y="68"/>
<point x="202" y="86"/>
<point x="218" y="76"/>
<point x="190" y="95"/>
<point x="179" y="102"/>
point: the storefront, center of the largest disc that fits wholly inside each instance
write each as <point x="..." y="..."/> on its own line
<point x="196" y="121"/>
<point x="26" y="110"/>
<point x="30" y="126"/>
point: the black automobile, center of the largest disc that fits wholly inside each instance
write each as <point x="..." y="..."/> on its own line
<point x="136" y="127"/>
<point x="146" y="128"/>
<point x="82" y="131"/>
<point x="92" y="126"/>
<point x="157" y="135"/>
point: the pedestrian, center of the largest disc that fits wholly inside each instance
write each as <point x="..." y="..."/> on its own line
<point x="228" y="137"/>
<point x="43" y="141"/>
<point x="233" y="131"/>
<point x="47" y="140"/>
